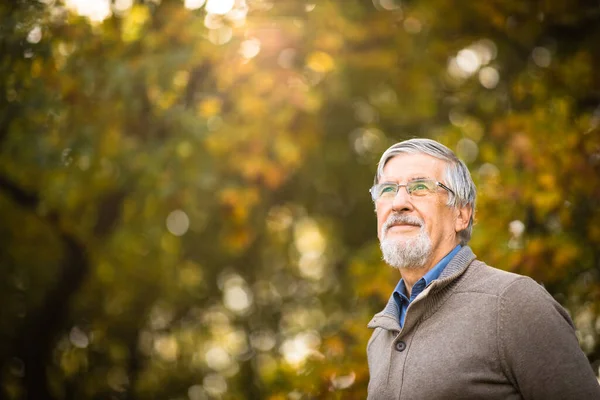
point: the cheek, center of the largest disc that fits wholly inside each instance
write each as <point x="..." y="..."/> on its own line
<point x="381" y="218"/>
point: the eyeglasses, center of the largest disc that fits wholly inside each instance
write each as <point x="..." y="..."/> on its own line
<point x="387" y="191"/>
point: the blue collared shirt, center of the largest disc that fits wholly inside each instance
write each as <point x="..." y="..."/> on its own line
<point x="402" y="301"/>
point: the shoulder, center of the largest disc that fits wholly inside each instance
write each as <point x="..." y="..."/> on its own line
<point x="480" y="277"/>
<point x="520" y="299"/>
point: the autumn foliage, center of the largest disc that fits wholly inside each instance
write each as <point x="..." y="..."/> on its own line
<point x="184" y="210"/>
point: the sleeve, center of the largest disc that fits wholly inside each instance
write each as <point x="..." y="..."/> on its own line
<point x="538" y="347"/>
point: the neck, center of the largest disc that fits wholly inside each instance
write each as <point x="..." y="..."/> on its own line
<point x="412" y="275"/>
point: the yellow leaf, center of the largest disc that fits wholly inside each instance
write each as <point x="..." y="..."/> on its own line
<point x="320" y="61"/>
<point x="209" y="107"/>
<point x="134" y="22"/>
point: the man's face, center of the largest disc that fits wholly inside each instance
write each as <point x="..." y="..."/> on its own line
<point x="439" y="222"/>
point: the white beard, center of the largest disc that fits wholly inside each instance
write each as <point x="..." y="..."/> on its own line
<point x="405" y="253"/>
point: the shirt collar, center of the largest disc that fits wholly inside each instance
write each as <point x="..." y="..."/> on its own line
<point x="430" y="276"/>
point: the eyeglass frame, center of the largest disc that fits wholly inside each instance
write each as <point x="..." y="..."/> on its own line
<point x="405" y="185"/>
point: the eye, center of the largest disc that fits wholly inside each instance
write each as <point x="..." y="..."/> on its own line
<point x="387" y="189"/>
<point x="421" y="188"/>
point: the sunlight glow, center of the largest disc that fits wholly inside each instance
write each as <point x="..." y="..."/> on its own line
<point x="468" y="60"/>
<point x="250" y="48"/>
<point x="217" y="358"/>
<point x="297" y="349"/>
<point x="35" y="35"/>
<point x="344" y="381"/>
<point x="238" y="14"/>
<point x="220" y="35"/>
<point x="308" y="237"/>
<point x="193" y="4"/>
<point x="122" y="6"/>
<point x="516" y="228"/>
<point x="311" y="244"/>
<point x="237" y="297"/>
<point x="486" y="50"/>
<point x="220" y="7"/>
<point x="95" y="10"/>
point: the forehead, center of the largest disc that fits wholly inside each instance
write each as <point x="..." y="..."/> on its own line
<point x="407" y="166"/>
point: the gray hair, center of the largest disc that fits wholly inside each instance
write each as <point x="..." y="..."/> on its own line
<point x="457" y="175"/>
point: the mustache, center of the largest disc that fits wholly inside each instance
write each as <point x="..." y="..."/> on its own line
<point x="401" y="219"/>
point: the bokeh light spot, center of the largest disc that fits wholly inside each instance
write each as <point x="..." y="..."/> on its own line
<point x="193" y="4"/>
<point x="344" y="381"/>
<point x="297" y="349"/>
<point x="387" y="5"/>
<point x="220" y="35"/>
<point x="516" y="228"/>
<point x="237" y="296"/>
<point x="35" y="35"/>
<point x="262" y="340"/>
<point x="320" y="61"/>
<point x="488" y="172"/>
<point x="217" y="358"/>
<point x="121" y="6"/>
<point x="468" y="60"/>
<point x="412" y="25"/>
<point x="220" y="7"/>
<point x="196" y="392"/>
<point x="167" y="348"/>
<point x="308" y="237"/>
<point x="286" y="58"/>
<point x="364" y="112"/>
<point x="78" y="338"/>
<point x="178" y="222"/>
<point x="541" y="57"/>
<point x="467" y="150"/>
<point x="489" y="77"/>
<point x="117" y="379"/>
<point x="486" y="50"/>
<point x="215" y="384"/>
<point x="367" y="141"/>
<point x="213" y="21"/>
<point x="96" y="10"/>
<point x="250" y="48"/>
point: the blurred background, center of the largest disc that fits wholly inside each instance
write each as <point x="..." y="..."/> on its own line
<point x="184" y="206"/>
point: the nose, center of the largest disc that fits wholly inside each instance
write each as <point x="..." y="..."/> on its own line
<point x="402" y="201"/>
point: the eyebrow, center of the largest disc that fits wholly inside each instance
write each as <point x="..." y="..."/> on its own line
<point x="416" y="178"/>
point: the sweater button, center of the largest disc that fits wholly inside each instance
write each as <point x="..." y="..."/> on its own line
<point x="400" y="346"/>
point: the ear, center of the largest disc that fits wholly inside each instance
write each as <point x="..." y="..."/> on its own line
<point x="463" y="216"/>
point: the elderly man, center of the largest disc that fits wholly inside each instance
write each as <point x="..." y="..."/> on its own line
<point x="456" y="328"/>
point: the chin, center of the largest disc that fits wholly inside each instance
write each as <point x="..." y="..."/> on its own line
<point x="399" y="237"/>
<point x="406" y="252"/>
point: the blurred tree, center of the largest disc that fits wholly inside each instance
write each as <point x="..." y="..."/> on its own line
<point x="183" y="185"/>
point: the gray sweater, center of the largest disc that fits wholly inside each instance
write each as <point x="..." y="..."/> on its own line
<point x="478" y="333"/>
